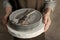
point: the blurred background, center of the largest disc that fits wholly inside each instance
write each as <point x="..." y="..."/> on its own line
<point x="52" y="34"/>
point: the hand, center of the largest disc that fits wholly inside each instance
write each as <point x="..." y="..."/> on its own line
<point x="8" y="10"/>
<point x="47" y="21"/>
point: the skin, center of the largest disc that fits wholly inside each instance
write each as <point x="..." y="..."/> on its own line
<point x="46" y="17"/>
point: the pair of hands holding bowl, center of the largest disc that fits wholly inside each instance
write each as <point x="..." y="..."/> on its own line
<point x="46" y="17"/>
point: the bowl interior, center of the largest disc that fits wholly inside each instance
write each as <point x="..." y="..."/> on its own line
<point x="36" y="16"/>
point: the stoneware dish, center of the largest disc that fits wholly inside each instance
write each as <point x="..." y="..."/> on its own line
<point x="35" y="28"/>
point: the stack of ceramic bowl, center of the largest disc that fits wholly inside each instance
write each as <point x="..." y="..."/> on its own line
<point x="32" y="29"/>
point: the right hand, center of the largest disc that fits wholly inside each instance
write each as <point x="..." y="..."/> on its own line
<point x="8" y="10"/>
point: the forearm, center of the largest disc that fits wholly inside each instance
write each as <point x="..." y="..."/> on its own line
<point x="47" y="11"/>
<point x="49" y="6"/>
<point x="7" y="7"/>
<point x="6" y="4"/>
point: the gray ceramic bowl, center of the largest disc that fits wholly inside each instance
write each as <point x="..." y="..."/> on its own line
<point x="12" y="20"/>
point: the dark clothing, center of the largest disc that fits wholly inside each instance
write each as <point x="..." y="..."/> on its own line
<point x="35" y="4"/>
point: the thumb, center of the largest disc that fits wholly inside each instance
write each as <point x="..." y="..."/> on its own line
<point x="47" y="25"/>
<point x="45" y="19"/>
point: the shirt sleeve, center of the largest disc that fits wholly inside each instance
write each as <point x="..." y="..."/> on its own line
<point x="50" y="4"/>
<point x="6" y="3"/>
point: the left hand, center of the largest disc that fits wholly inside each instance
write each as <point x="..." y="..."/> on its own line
<point x="47" y="21"/>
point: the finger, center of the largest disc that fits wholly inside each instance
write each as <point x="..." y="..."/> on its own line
<point x="5" y="23"/>
<point x="45" y="19"/>
<point x="48" y="22"/>
<point x="5" y="19"/>
<point x="47" y="25"/>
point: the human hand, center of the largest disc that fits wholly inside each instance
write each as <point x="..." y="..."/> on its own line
<point x="47" y="21"/>
<point x="8" y="10"/>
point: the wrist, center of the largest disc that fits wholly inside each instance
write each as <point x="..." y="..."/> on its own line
<point x="8" y="10"/>
<point x="47" y="11"/>
<point x="47" y="14"/>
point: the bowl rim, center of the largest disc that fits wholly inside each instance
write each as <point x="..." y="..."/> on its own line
<point x="28" y="8"/>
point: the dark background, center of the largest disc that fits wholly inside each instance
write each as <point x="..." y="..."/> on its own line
<point x="52" y="34"/>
